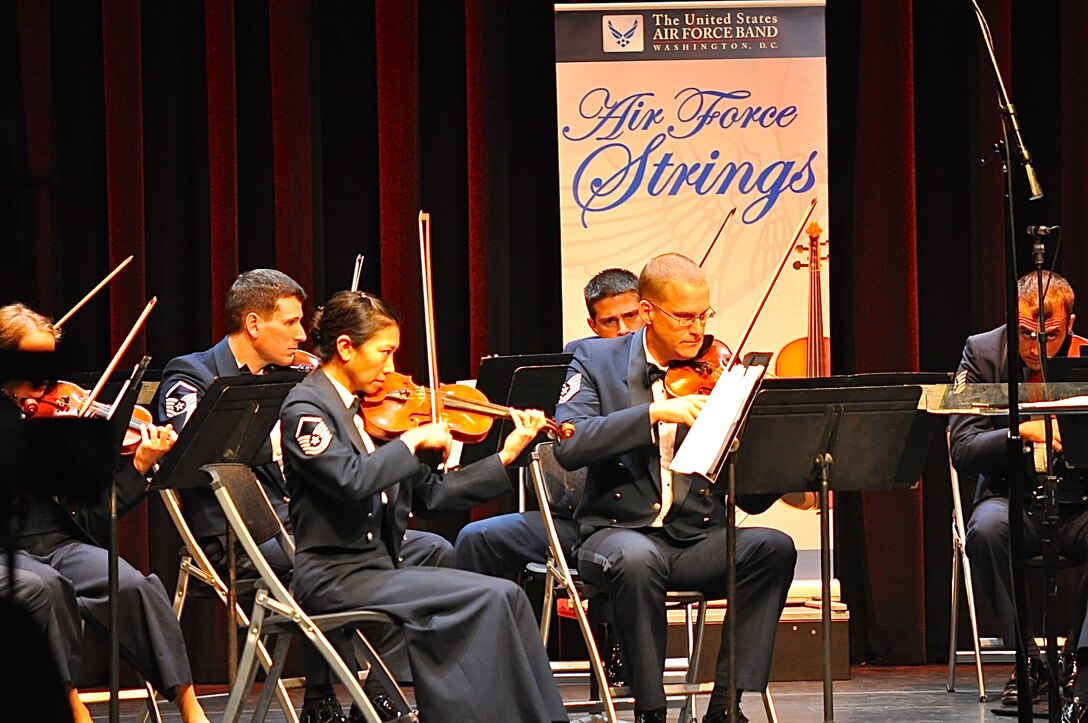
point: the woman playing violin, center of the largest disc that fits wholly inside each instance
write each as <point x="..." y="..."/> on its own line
<point x="57" y="536"/>
<point x="349" y="504"/>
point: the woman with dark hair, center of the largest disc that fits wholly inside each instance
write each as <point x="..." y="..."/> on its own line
<point x="472" y="641"/>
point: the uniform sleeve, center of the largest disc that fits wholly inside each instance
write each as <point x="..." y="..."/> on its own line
<point x="976" y="446"/>
<point x="315" y="447"/>
<point x="462" y="488"/>
<point x="597" y="436"/>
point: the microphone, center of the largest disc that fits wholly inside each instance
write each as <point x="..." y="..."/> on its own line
<point x="1041" y="230"/>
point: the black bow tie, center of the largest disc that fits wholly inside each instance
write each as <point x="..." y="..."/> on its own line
<point x="653" y="373"/>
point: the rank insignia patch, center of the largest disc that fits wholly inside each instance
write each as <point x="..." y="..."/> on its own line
<point x="313" y="435"/>
<point x="181" y="400"/>
<point x="570" y="388"/>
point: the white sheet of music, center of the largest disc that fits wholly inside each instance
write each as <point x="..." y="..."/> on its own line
<point x="717" y="421"/>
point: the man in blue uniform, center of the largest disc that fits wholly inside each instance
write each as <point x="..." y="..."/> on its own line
<point x="652" y="530"/>
<point x="978" y="447"/>
<point x="503" y="545"/>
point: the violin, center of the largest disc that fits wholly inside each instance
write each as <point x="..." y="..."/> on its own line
<point x="401" y="404"/>
<point x="63" y="399"/>
<point x="304" y="361"/>
<point x="699" y="374"/>
<point x="1075" y="345"/>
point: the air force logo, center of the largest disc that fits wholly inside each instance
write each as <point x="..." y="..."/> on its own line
<point x="313" y="435"/>
<point x="622" y="34"/>
<point x="570" y="388"/>
<point x="181" y="400"/>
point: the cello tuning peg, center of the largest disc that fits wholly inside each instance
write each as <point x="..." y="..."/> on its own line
<point x="800" y="248"/>
<point x="798" y="265"/>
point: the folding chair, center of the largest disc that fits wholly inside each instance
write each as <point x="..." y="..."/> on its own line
<point x="960" y="562"/>
<point x="548" y="476"/>
<point x="277" y="616"/>
<point x="195" y="565"/>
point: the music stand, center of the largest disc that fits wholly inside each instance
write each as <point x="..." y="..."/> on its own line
<point x="528" y="381"/>
<point x="1073" y="427"/>
<point x="846" y="438"/>
<point x="231" y="423"/>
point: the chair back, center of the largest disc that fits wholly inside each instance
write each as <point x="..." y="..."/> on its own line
<point x="249" y="514"/>
<point x="563" y="487"/>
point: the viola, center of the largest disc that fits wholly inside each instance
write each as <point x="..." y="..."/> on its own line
<point x="699" y="374"/>
<point x="63" y="399"/>
<point x="401" y="404"/>
<point x="809" y="356"/>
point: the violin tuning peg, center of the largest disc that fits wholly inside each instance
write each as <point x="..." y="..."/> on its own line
<point x="800" y="248"/>
<point x="799" y="265"/>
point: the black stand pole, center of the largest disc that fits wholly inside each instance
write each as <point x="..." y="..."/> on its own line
<point x="732" y="699"/>
<point x="824" y="462"/>
<point x="1014" y="447"/>
<point x="1050" y="499"/>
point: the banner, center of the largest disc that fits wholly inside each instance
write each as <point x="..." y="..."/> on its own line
<point x="673" y="114"/>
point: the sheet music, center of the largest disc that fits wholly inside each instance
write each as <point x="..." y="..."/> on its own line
<point x="717" y="422"/>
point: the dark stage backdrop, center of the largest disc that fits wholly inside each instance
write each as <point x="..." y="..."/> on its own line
<point x="209" y="138"/>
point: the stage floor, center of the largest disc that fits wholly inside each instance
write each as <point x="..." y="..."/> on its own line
<point x="913" y="694"/>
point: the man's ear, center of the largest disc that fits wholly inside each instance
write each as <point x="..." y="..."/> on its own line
<point x="252" y="324"/>
<point x="593" y="326"/>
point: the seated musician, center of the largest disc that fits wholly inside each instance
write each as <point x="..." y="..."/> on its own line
<point x="59" y="536"/>
<point x="503" y="545"/>
<point x="978" y="447"/>
<point x="472" y="641"/>
<point x="655" y="531"/>
<point x="264" y="316"/>
<point x="611" y="298"/>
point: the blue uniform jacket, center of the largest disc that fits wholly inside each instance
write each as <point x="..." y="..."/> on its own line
<point x="336" y="485"/>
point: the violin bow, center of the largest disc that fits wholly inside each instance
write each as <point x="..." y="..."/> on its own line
<point x="770" y="286"/>
<point x="89" y="400"/>
<point x="428" y="309"/>
<point x="357" y="273"/>
<point x="717" y="236"/>
<point x="91" y="293"/>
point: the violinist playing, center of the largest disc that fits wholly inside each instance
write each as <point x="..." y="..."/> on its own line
<point x="978" y="449"/>
<point x="652" y="530"/>
<point x="472" y="642"/>
<point x="59" y="536"/>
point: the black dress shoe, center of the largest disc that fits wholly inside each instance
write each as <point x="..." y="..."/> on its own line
<point x="1075" y="712"/>
<point x="650" y="716"/>
<point x="722" y="716"/>
<point x="383" y="704"/>
<point x="325" y="710"/>
<point x="1037" y="684"/>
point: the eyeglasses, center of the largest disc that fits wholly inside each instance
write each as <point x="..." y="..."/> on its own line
<point x="686" y="322"/>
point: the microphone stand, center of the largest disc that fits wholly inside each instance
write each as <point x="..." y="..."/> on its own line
<point x="1049" y="526"/>
<point x="1014" y="447"/>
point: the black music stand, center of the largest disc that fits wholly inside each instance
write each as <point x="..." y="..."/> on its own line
<point x="847" y="438"/>
<point x="231" y="424"/>
<point x="530" y="381"/>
